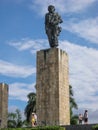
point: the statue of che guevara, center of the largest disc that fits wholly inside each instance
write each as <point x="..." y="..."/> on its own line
<point x="52" y="28"/>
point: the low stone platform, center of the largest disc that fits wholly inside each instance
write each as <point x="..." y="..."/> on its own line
<point x="79" y="127"/>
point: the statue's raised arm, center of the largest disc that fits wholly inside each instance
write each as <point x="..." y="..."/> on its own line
<point x="52" y="28"/>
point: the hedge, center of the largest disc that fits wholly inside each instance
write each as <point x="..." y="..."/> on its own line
<point x="37" y="128"/>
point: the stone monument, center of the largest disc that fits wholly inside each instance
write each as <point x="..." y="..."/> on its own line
<point x="3" y="105"/>
<point x="52" y="83"/>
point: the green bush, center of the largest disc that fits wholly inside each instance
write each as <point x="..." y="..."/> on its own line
<point x="37" y="128"/>
<point x="95" y="127"/>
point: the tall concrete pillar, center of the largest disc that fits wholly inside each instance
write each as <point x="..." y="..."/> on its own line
<point x="52" y="87"/>
<point x="3" y="105"/>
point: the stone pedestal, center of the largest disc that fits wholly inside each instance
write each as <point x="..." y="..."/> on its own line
<point x="3" y="105"/>
<point x="52" y="87"/>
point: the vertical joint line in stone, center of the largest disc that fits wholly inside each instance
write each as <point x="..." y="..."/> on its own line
<point x="45" y="54"/>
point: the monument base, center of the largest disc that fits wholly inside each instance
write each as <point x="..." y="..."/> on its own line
<point x="52" y="87"/>
<point x="3" y="105"/>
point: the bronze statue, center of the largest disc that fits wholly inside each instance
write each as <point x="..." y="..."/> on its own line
<point x="52" y="21"/>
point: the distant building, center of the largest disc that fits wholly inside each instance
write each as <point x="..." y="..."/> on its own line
<point x="3" y="105"/>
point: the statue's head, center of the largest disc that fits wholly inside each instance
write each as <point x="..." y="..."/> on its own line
<point x="51" y="8"/>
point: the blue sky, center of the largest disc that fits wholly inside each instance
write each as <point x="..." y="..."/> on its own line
<point x="22" y="34"/>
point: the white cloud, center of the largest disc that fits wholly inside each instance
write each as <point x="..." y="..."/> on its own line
<point x="12" y="70"/>
<point x="28" y="44"/>
<point x="83" y="75"/>
<point x="24" y="44"/>
<point x="12" y="109"/>
<point x="87" y="29"/>
<point x="20" y="91"/>
<point x="93" y="116"/>
<point x="64" y="6"/>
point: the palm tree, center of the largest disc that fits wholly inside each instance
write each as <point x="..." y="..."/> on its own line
<point x="72" y="100"/>
<point x="31" y="105"/>
<point x="73" y="105"/>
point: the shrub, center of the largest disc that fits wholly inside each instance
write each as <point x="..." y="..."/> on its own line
<point x="37" y="128"/>
<point x="95" y="127"/>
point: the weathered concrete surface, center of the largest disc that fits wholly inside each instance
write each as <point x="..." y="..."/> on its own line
<point x="52" y="87"/>
<point x="3" y="105"/>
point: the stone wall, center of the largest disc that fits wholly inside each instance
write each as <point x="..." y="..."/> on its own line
<point x="3" y="104"/>
<point x="52" y="87"/>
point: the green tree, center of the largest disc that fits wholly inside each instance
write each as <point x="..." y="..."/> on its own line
<point x="73" y="105"/>
<point x="15" y="119"/>
<point x="19" y="121"/>
<point x="11" y="120"/>
<point x="31" y="106"/>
